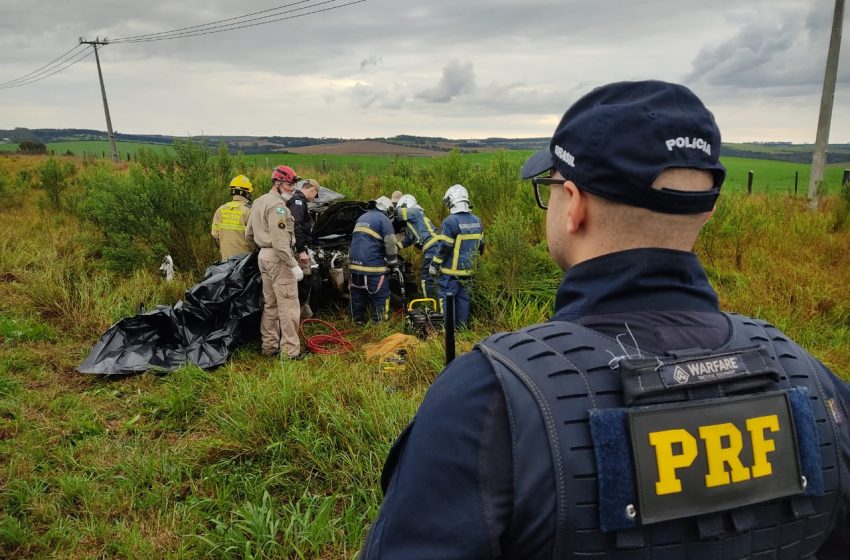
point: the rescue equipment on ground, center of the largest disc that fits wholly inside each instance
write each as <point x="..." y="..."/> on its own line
<point x="392" y="352"/>
<point x="423" y="317"/>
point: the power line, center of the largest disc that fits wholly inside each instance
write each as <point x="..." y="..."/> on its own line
<point x="80" y="57"/>
<point x="237" y="25"/>
<point x="67" y="59"/>
<point x="210" y="23"/>
<point x="43" y="69"/>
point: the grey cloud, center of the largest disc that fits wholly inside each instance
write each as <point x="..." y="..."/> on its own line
<point x="458" y="79"/>
<point x="370" y="61"/>
<point x="787" y="53"/>
<point x="368" y="96"/>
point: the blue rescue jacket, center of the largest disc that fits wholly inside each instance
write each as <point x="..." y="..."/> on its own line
<point x="460" y="241"/>
<point x="467" y="479"/>
<point x="372" y="244"/>
<point x="419" y="230"/>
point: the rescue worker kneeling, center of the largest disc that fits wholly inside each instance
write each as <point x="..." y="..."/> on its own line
<point x="372" y="254"/>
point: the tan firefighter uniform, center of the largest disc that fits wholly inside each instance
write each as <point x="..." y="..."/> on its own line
<point x="228" y="227"/>
<point x="271" y="228"/>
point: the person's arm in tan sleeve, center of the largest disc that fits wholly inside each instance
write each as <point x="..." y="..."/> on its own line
<point x="281" y="237"/>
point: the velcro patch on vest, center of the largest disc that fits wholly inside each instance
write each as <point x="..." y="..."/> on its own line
<point x="697" y="458"/>
<point x="280" y="210"/>
<point x="647" y="378"/>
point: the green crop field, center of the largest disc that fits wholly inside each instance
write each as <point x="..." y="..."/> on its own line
<point x="769" y="176"/>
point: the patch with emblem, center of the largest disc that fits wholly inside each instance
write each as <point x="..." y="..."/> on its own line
<point x="299" y="203"/>
<point x="280" y="210"/>
<point x="698" y="458"/>
<point x="281" y="224"/>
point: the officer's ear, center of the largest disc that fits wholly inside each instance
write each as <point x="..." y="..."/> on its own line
<point x="576" y="207"/>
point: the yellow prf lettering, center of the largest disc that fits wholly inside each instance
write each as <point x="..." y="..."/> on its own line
<point x="718" y="456"/>
<point x="761" y="445"/>
<point x="668" y="462"/>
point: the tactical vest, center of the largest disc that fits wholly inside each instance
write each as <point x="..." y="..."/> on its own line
<point x="723" y="454"/>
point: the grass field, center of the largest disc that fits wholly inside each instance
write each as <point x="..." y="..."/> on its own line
<point x="269" y="459"/>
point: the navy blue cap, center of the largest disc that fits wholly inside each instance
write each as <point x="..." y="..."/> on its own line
<point x="616" y="140"/>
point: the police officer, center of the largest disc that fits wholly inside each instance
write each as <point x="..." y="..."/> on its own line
<point x="640" y="421"/>
<point x="230" y="219"/>
<point x="271" y="227"/>
<point x="419" y="231"/>
<point x="461" y="241"/>
<point x="372" y="254"/>
<point x="306" y="191"/>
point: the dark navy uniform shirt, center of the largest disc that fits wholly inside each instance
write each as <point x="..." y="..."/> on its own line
<point x="449" y="485"/>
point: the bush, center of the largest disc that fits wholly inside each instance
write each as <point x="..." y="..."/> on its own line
<point x="54" y="177"/>
<point x="164" y="205"/>
<point x="32" y="148"/>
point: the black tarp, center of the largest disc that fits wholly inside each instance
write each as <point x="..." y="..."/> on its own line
<point x="216" y="315"/>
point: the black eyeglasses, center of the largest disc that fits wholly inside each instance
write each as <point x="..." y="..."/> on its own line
<point x="542" y="195"/>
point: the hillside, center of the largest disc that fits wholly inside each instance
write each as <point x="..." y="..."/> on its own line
<point x="402" y="144"/>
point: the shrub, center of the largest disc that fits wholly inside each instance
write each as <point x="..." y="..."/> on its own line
<point x="32" y="148"/>
<point x="164" y="205"/>
<point x="54" y="177"/>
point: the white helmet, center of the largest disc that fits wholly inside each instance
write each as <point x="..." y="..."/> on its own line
<point x="383" y="204"/>
<point x="455" y="194"/>
<point x="406" y="201"/>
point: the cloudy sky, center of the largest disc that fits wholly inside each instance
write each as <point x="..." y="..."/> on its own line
<point x="453" y="68"/>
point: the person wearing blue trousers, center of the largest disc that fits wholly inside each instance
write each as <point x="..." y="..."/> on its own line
<point x="461" y="241"/>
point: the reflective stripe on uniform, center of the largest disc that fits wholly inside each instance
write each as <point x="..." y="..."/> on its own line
<point x="364" y="268"/>
<point x="367" y="231"/>
<point x="454" y="269"/>
<point x="431" y="242"/>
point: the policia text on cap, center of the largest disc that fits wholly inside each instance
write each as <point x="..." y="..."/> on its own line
<point x="641" y="421"/>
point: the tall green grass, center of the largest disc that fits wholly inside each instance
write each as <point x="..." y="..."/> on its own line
<point x="267" y="459"/>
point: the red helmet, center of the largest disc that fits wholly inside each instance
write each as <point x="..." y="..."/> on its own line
<point x="284" y="173"/>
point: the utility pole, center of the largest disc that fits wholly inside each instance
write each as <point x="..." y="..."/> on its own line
<point x="94" y="45"/>
<point x="825" y="117"/>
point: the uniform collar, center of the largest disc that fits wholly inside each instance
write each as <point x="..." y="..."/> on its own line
<point x="635" y="280"/>
<point x="240" y="198"/>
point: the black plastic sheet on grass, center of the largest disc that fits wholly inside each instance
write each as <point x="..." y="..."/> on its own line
<point x="217" y="314"/>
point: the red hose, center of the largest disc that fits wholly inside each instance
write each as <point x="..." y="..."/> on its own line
<point x="333" y="343"/>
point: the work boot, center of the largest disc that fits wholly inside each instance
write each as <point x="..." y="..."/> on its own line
<point x="306" y="312"/>
<point x="268" y="352"/>
<point x="299" y="356"/>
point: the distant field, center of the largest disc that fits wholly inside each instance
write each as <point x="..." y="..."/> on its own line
<point x="92" y="148"/>
<point x="769" y="176"/>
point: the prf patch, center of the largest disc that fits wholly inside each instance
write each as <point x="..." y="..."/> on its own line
<point x="281" y="224"/>
<point x="693" y="459"/>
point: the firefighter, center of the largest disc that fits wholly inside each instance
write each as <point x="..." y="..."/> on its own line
<point x="229" y="221"/>
<point x="419" y="231"/>
<point x="461" y="241"/>
<point x="372" y="255"/>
